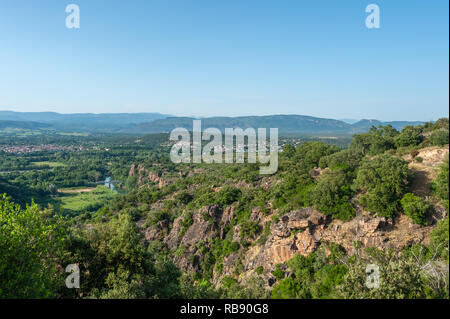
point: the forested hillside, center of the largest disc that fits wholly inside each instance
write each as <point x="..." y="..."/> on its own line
<point x="224" y="230"/>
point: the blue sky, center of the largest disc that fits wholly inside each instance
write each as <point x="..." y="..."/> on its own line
<point x="230" y="58"/>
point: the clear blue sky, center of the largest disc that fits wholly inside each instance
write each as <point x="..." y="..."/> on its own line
<point x="227" y="57"/>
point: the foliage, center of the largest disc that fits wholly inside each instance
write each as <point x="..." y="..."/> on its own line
<point x="409" y="136"/>
<point x="384" y="179"/>
<point x="439" y="138"/>
<point x="415" y="208"/>
<point x="30" y="245"/>
<point x="441" y="184"/>
<point x="401" y="276"/>
<point x="376" y="141"/>
<point x="332" y="195"/>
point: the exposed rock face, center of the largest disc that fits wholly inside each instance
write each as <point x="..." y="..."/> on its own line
<point x="172" y="240"/>
<point x="297" y="232"/>
<point x="302" y="231"/>
<point x="207" y="224"/>
<point x="158" y="232"/>
<point x="284" y="242"/>
<point x="203" y="228"/>
<point x="145" y="176"/>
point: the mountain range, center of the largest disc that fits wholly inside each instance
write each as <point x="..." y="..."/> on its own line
<point x="147" y="123"/>
<point x="80" y="122"/>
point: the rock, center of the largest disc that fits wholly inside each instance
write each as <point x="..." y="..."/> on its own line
<point x="298" y="224"/>
<point x="227" y="215"/>
<point x="257" y="215"/>
<point x="172" y="240"/>
<point x="201" y="229"/>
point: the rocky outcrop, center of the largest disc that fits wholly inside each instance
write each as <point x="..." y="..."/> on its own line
<point x="204" y="226"/>
<point x="145" y="176"/>
<point x="297" y="232"/>
<point x="377" y="232"/>
<point x="157" y="232"/>
<point x="207" y="224"/>
<point x="303" y="231"/>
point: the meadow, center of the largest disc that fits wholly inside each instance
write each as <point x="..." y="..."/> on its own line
<point x="83" y="200"/>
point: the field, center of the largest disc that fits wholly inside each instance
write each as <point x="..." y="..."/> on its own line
<point x="87" y="199"/>
<point x="48" y="163"/>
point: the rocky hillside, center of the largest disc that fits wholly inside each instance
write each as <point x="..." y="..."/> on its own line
<point x="386" y="195"/>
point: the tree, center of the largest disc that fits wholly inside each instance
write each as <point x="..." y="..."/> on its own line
<point x="348" y="159"/>
<point x="30" y="245"/>
<point x="288" y="150"/>
<point x="376" y="141"/>
<point x="409" y="136"/>
<point x="332" y="195"/>
<point x="384" y="180"/>
<point x="227" y="195"/>
<point x="439" y="138"/>
<point x="288" y="288"/>
<point x="441" y="184"/>
<point x="309" y="154"/>
<point x="415" y="208"/>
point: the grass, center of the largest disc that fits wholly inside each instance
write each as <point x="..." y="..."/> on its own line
<point x="51" y="164"/>
<point x="19" y="132"/>
<point x="82" y="201"/>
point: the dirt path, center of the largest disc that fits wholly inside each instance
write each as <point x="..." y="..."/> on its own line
<point x="427" y="170"/>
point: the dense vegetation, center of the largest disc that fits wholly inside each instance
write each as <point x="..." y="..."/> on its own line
<point x="106" y="238"/>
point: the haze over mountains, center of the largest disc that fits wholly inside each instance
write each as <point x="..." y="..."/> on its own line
<point x="83" y="122"/>
<point x="146" y="123"/>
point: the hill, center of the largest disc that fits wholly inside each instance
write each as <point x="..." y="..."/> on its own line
<point x="23" y="125"/>
<point x="284" y="123"/>
<point x="148" y="123"/>
<point x="82" y="122"/>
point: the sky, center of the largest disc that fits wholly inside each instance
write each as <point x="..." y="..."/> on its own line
<point x="227" y="58"/>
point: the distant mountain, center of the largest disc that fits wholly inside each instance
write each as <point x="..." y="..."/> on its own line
<point x="147" y="123"/>
<point x="349" y="121"/>
<point x="85" y="122"/>
<point x="284" y="123"/>
<point x="23" y="125"/>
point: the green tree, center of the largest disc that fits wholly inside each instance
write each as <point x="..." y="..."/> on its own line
<point x="409" y="136"/>
<point x="288" y="288"/>
<point x="376" y="141"/>
<point x="441" y="184"/>
<point x="415" y="208"/>
<point x="332" y="195"/>
<point x="439" y="138"/>
<point x="30" y="246"/>
<point x="384" y="180"/>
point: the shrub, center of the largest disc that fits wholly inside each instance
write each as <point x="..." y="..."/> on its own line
<point x="384" y="179"/>
<point x="415" y="208"/>
<point x="259" y="270"/>
<point x="332" y="195"/>
<point x="439" y="138"/>
<point x="376" y="141"/>
<point x="227" y="195"/>
<point x="183" y="197"/>
<point x="278" y="272"/>
<point x="249" y="229"/>
<point x="286" y="289"/>
<point x="410" y="136"/>
<point x="440" y="239"/>
<point x="349" y="158"/>
<point x="440" y="185"/>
